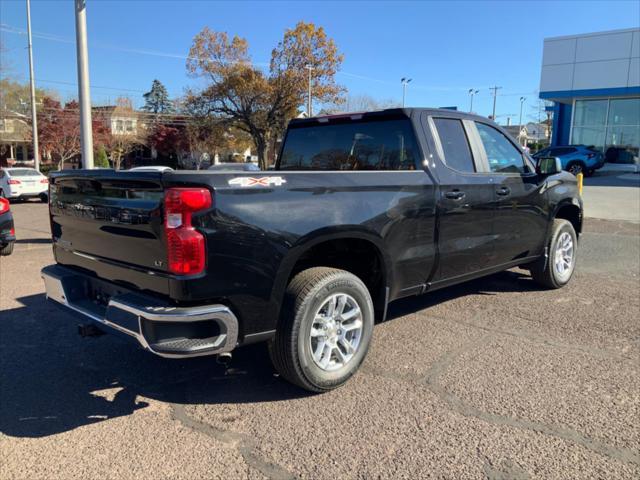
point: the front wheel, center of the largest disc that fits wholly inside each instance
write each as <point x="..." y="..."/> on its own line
<point x="556" y="270"/>
<point x="325" y="329"/>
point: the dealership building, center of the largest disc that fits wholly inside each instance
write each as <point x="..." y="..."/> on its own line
<point x="593" y="81"/>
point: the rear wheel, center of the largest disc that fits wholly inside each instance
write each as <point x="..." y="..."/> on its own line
<point x="44" y="198"/>
<point x="576" y="168"/>
<point x="7" y="249"/>
<point x="556" y="270"/>
<point x="325" y="329"/>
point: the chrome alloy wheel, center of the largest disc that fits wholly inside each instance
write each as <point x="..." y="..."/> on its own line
<point x="336" y="332"/>
<point x="564" y="256"/>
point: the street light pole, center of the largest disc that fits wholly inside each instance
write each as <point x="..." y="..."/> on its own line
<point x="309" y="106"/>
<point x="84" y="94"/>
<point x="405" y="81"/>
<point x="472" y="92"/>
<point x="32" y="84"/>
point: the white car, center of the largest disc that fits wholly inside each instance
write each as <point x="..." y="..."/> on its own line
<point x="23" y="183"/>
<point x="152" y="168"/>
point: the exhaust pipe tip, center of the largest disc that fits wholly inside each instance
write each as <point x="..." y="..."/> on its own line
<point x="224" y="359"/>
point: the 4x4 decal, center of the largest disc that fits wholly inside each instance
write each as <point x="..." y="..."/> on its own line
<point x="259" y="181"/>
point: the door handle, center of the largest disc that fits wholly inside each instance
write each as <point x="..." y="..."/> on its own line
<point x="503" y="191"/>
<point x="454" y="195"/>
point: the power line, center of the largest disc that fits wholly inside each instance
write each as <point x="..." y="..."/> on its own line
<point x="56" y="38"/>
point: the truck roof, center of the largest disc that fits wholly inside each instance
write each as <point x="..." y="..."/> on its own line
<point x="386" y="113"/>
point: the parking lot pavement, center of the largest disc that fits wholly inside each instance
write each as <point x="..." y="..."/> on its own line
<point x="491" y="379"/>
<point x="613" y="196"/>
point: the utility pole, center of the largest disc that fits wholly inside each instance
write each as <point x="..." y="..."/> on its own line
<point x="32" y="84"/>
<point x="495" y="95"/>
<point x="522" y="100"/>
<point x="472" y="92"/>
<point x="405" y="81"/>
<point x="309" y="106"/>
<point x="84" y="93"/>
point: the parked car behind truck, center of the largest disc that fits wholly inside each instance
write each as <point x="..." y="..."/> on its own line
<point x="360" y="210"/>
<point x="22" y="183"/>
<point x="7" y="232"/>
<point x="575" y="158"/>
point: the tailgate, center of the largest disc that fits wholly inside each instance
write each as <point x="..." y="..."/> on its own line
<point x="107" y="215"/>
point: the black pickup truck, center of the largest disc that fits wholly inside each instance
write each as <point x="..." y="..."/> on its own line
<point x="360" y="210"/>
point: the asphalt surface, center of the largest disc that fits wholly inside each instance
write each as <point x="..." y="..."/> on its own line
<point x="492" y="379"/>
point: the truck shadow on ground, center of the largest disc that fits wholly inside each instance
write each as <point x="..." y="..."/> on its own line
<point x="53" y="381"/>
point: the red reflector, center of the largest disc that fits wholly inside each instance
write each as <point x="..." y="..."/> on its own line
<point x="186" y="251"/>
<point x="14" y="182"/>
<point x="185" y="245"/>
<point x="4" y="205"/>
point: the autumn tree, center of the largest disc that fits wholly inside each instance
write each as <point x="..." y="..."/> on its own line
<point x="157" y="99"/>
<point x="168" y="140"/>
<point x="59" y="130"/>
<point x="259" y="102"/>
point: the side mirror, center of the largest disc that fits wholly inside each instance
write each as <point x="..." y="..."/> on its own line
<point x="548" y="165"/>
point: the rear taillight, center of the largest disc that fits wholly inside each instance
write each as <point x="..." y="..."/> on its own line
<point x="14" y="182"/>
<point x="185" y="245"/>
<point x="4" y="205"/>
<point x="591" y="155"/>
<point x="44" y="180"/>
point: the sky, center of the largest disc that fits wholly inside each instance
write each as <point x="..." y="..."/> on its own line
<point x="446" y="48"/>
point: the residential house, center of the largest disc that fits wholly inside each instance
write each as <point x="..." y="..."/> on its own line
<point x="15" y="138"/>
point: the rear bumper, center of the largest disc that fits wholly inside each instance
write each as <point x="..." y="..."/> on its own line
<point x="26" y="193"/>
<point x="163" y="329"/>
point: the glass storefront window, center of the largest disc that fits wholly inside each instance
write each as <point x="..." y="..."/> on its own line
<point x="589" y="136"/>
<point x="612" y="126"/>
<point x="591" y="112"/>
<point x="625" y="111"/>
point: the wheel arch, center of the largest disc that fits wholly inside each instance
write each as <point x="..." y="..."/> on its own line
<point x="571" y="210"/>
<point x="315" y="249"/>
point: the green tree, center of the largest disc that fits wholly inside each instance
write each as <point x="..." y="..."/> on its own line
<point x="157" y="99"/>
<point x="101" y="159"/>
<point x="16" y="97"/>
<point x="256" y="102"/>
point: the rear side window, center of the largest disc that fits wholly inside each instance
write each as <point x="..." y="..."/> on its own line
<point x="455" y="145"/>
<point x="502" y="156"/>
<point x="356" y="145"/>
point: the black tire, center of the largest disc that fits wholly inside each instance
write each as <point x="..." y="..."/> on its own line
<point x="290" y="350"/>
<point x="544" y="270"/>
<point x="7" y="249"/>
<point x="44" y="198"/>
<point x="576" y="168"/>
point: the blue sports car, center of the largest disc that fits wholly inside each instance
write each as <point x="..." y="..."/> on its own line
<point x="575" y="158"/>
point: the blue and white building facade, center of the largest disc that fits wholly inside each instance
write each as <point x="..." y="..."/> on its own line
<point x="593" y="81"/>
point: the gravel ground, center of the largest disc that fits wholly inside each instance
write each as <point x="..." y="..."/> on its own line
<point x="492" y="379"/>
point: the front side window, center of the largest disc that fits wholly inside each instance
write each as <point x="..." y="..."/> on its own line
<point x="455" y="146"/>
<point x="354" y="145"/>
<point x="502" y="156"/>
